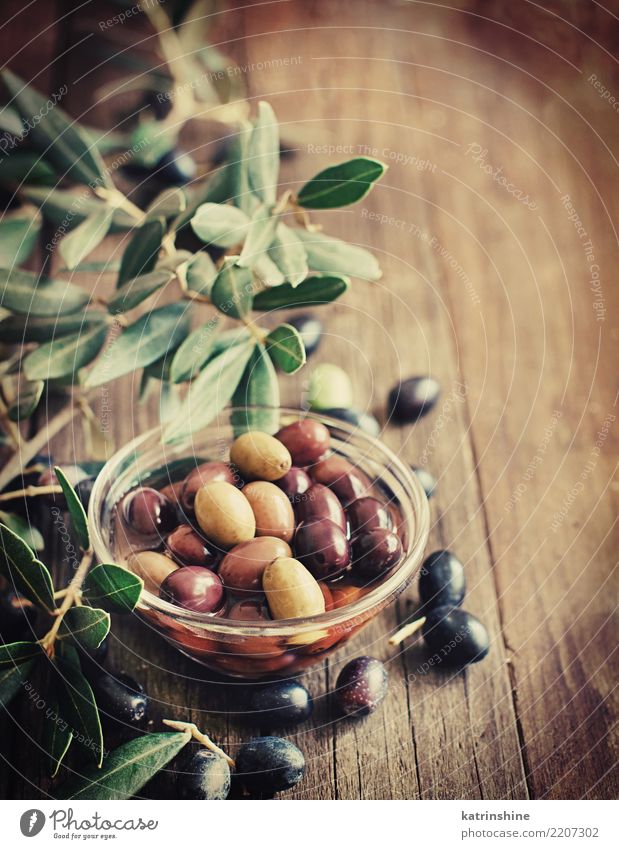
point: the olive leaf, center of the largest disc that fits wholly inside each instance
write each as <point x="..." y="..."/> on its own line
<point x="169" y="203"/>
<point x="81" y="241"/>
<point x="289" y="255"/>
<point x="57" y="737"/>
<point x="23" y="571"/>
<point x="194" y="352"/>
<point x="76" y="509"/>
<point x="77" y="702"/>
<point x="140" y="255"/>
<point x="27" y="293"/>
<point x="136" y="290"/>
<point x="240" y="189"/>
<point x="23" y="168"/>
<point x="11" y="654"/>
<point x="141" y="344"/>
<point x="18" y="237"/>
<point x="58" y="137"/>
<point x="20" y="526"/>
<point x="24" y="328"/>
<point x="169" y="401"/>
<point x="324" y="253"/>
<point x="10" y="121"/>
<point x="210" y="391"/>
<point x="127" y="769"/>
<point x="312" y="292"/>
<point x="12" y="678"/>
<point x="220" y="224"/>
<point x="27" y="400"/>
<point x="96" y="266"/>
<point x="341" y="184"/>
<point x="259" y="237"/>
<point x="259" y="386"/>
<point x="217" y="188"/>
<point x="232" y="289"/>
<point x="263" y="154"/>
<point x="65" y="355"/>
<point x="267" y="272"/>
<point x="85" y="626"/>
<point x="200" y="273"/>
<point x="112" y="588"/>
<point x="285" y="347"/>
<point x="61" y="207"/>
<point x="151" y="140"/>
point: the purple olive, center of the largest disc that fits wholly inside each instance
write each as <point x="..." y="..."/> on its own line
<point x="294" y="483"/>
<point x="249" y="610"/>
<point x="374" y="552"/>
<point x="149" y="512"/>
<point x="204" y="473"/>
<point x="188" y="548"/>
<point x="306" y="439"/>
<point x="320" y="503"/>
<point x="413" y="398"/>
<point x="322" y="547"/>
<point x="366" y="514"/>
<point x="361" y="686"/>
<point x="194" y="588"/>
<point x="345" y="480"/>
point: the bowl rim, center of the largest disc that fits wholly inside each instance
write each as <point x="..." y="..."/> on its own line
<point x="395" y="584"/>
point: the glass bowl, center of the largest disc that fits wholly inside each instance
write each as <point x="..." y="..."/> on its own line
<point x="266" y="648"/>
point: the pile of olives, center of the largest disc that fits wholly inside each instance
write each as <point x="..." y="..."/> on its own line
<point x="265" y="535"/>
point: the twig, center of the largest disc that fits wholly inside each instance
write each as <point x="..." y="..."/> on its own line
<point x="72" y="595"/>
<point x="206" y="741"/>
<point x="31" y="492"/>
<point x="406" y="631"/>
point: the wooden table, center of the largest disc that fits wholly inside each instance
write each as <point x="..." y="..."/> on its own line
<point x="498" y="139"/>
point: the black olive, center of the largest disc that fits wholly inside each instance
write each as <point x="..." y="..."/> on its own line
<point x="426" y="479"/>
<point x="455" y="636"/>
<point x="20" y="504"/>
<point x="92" y="660"/>
<point x="18" y="618"/>
<point x="120" y="698"/>
<point x="269" y="765"/>
<point x="361" y="686"/>
<point x="310" y="329"/>
<point x="441" y="580"/>
<point x="280" y="703"/>
<point x="203" y="775"/>
<point x="84" y="491"/>
<point x="412" y="398"/>
<point x="176" y="168"/>
<point x="358" y="418"/>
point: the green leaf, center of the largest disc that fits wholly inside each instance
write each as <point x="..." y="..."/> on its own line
<point x="127" y="769"/>
<point x="210" y="391"/>
<point x="288" y="254"/>
<point x="27" y="400"/>
<point x="65" y="355"/>
<point x="142" y="343"/>
<point x="20" y="526"/>
<point x="105" y="266"/>
<point x="134" y="291"/>
<point x="81" y="241"/>
<point x="56" y="135"/>
<point x="141" y="253"/>
<point x="261" y="234"/>
<point x="263" y="154"/>
<point x="57" y="737"/>
<point x="86" y="626"/>
<point x="285" y="347"/>
<point x="200" y="273"/>
<point x="341" y="184"/>
<point x="258" y="387"/>
<point x="10" y="121"/>
<point x="26" y="168"/>
<point x="21" y="329"/>
<point x="168" y="204"/>
<point x="240" y="190"/>
<point x="216" y="188"/>
<point x="194" y="352"/>
<point x="314" y="291"/>
<point x="232" y="289"/>
<point x="12" y="654"/>
<point x="220" y="224"/>
<point x="76" y="510"/>
<point x="151" y="140"/>
<point x="23" y="571"/>
<point x="18" y="237"/>
<point x="324" y="253"/>
<point x="68" y="210"/>
<point x="169" y="401"/>
<point x="27" y="293"/>
<point x="113" y="588"/>
<point x="77" y="702"/>
<point x="267" y="272"/>
<point x="11" y="679"/>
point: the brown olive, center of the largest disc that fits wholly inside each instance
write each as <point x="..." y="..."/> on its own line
<point x="202" y="474"/>
<point x="367" y="513"/>
<point x="272" y="510"/>
<point x="194" y="588"/>
<point x="249" y="610"/>
<point x="322" y="546"/>
<point x="307" y="440"/>
<point x="328" y="596"/>
<point x="259" y="456"/>
<point x="344" y="479"/>
<point x="294" y="483"/>
<point x="320" y="503"/>
<point x="188" y="548"/>
<point x="242" y="568"/>
<point x="151" y="567"/>
<point x="374" y="552"/>
<point x="224" y="514"/>
<point x="343" y="594"/>
<point x="148" y="512"/>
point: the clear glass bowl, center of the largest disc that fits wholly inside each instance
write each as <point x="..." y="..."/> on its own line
<point x="273" y="648"/>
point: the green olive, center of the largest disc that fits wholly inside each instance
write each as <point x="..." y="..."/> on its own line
<point x="291" y="590"/>
<point x="224" y="514"/>
<point x="153" y="568"/>
<point x="329" y="386"/>
<point x="259" y="456"/>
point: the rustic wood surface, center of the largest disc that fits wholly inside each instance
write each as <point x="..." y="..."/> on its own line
<point x="487" y="287"/>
